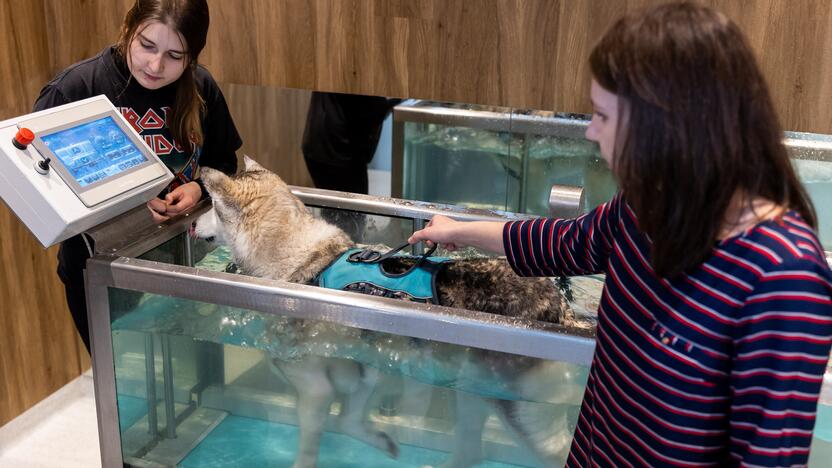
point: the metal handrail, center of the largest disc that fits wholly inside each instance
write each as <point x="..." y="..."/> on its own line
<point x="450" y="325"/>
<point x="135" y="232"/>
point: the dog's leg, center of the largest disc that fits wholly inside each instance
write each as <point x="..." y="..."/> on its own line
<point x="315" y="396"/>
<point x="546" y="429"/>
<point x="404" y="396"/>
<point x="353" y="420"/>
<point x="471" y="413"/>
<point x="541" y="428"/>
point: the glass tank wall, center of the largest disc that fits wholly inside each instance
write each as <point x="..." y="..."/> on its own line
<point x="235" y="407"/>
<point x="507" y="159"/>
<point x="197" y="366"/>
<point x="812" y="157"/>
<point x="493" y="158"/>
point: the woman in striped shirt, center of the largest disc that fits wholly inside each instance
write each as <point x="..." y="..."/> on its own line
<point x="715" y="323"/>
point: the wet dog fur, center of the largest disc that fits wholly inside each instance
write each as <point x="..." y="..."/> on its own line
<point x="271" y="234"/>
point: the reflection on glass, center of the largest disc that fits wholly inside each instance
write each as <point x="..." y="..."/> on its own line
<point x="816" y="175"/>
<point x="462" y="166"/>
<point x="225" y="381"/>
<point x="562" y="160"/>
<point x="171" y="252"/>
<point x="498" y="159"/>
<point x="488" y="159"/>
<point x="368" y="229"/>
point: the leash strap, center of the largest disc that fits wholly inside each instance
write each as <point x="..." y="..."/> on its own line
<point x="363" y="271"/>
<point x="374" y="256"/>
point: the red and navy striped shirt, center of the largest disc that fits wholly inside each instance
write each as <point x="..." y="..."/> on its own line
<point x="719" y="366"/>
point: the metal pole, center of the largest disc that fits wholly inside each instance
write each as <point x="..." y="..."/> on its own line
<point x="170" y="412"/>
<point x="189" y="256"/>
<point x="418" y="247"/>
<point x="524" y="176"/>
<point x="150" y="382"/>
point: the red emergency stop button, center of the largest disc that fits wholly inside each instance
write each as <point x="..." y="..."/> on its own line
<point x="23" y="137"/>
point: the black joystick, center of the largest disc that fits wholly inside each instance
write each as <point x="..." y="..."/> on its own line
<point x="42" y="166"/>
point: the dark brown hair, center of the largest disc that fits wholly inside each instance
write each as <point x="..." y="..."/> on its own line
<point x="698" y="127"/>
<point x="190" y="19"/>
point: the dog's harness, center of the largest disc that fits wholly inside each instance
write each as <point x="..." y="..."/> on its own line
<point x="362" y="270"/>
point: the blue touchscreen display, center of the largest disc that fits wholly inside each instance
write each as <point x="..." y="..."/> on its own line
<point x="94" y="151"/>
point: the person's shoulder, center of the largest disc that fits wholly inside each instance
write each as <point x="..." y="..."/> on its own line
<point x="205" y="82"/>
<point x="791" y="266"/>
<point x="208" y="88"/>
<point x="78" y="79"/>
<point x="785" y="244"/>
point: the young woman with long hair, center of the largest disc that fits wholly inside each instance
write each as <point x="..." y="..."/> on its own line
<point x="152" y="75"/>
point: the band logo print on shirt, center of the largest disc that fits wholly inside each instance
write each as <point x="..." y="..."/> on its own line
<point x="146" y="124"/>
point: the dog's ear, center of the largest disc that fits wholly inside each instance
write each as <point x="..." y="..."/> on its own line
<point x="221" y="188"/>
<point x="251" y="165"/>
<point x="216" y="183"/>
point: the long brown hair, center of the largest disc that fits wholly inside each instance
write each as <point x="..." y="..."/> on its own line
<point x="190" y="19"/>
<point x="699" y="127"/>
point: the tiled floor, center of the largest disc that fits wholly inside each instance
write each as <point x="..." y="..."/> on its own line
<point x="61" y="431"/>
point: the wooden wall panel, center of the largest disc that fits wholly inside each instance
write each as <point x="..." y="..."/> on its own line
<point x="24" y="61"/>
<point x="270" y="122"/>
<point x="79" y="29"/>
<point x="517" y="53"/>
<point x="793" y="41"/>
<point x="39" y="350"/>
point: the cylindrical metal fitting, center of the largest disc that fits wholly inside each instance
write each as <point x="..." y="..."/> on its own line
<point x="566" y="201"/>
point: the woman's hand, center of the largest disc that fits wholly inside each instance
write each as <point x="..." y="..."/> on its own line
<point x="440" y="230"/>
<point x="182" y="198"/>
<point x="177" y="201"/>
<point x="452" y="235"/>
<point x="158" y="208"/>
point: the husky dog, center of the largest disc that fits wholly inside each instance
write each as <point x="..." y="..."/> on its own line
<point x="271" y="234"/>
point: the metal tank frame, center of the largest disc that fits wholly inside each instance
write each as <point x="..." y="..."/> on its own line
<point x="115" y="265"/>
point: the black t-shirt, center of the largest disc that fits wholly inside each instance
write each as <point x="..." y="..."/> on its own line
<point x="146" y="110"/>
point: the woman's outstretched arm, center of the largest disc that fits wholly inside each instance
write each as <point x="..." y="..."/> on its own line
<point x="451" y="235"/>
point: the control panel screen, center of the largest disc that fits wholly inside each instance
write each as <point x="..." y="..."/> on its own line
<point x="94" y="151"/>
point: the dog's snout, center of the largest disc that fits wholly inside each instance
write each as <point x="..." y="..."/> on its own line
<point x="192" y="232"/>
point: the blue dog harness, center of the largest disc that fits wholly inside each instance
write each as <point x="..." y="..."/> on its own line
<point x="362" y="270"/>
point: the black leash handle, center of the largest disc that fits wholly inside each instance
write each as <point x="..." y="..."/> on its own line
<point x="373" y="256"/>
